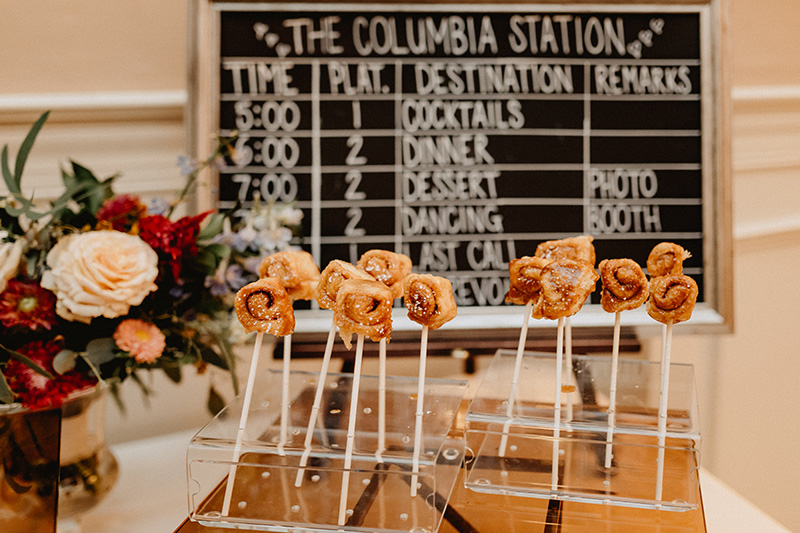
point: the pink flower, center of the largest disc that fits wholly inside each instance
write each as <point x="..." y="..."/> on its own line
<point x="142" y="339"/>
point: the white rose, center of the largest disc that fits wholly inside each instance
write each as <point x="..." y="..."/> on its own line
<point x="100" y="273"/>
<point x="10" y="256"/>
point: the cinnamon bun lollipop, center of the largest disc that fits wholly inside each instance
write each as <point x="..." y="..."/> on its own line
<point x="429" y="300"/>
<point x="265" y="306"/>
<point x="331" y="279"/>
<point x="566" y="285"/>
<point x="580" y="247"/>
<point x="666" y="258"/>
<point x="363" y="307"/>
<point x="625" y="285"/>
<point x="389" y="268"/>
<point x="296" y="270"/>
<point x="525" y="273"/>
<point x="672" y="298"/>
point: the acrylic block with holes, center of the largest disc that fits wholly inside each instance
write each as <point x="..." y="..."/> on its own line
<point x="512" y="451"/>
<point x="265" y="494"/>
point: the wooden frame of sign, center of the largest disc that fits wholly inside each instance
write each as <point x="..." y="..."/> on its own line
<point x="465" y="134"/>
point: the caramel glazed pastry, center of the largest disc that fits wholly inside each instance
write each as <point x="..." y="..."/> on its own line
<point x="525" y="279"/>
<point x="580" y="247"/>
<point x="625" y="285"/>
<point x="672" y="298"/>
<point x="389" y="268"/>
<point x="363" y="307"/>
<point x="295" y="269"/>
<point x="331" y="280"/>
<point x="265" y="306"/>
<point x="666" y="258"/>
<point x="566" y="285"/>
<point x="429" y="300"/>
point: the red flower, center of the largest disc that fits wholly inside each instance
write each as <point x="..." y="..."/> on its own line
<point x="172" y="240"/>
<point x="122" y="212"/>
<point x="35" y="390"/>
<point x="27" y="305"/>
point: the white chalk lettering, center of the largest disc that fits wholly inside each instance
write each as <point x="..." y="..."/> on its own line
<point x="438" y="256"/>
<point x="261" y="78"/>
<point x="460" y="114"/>
<point x="450" y="78"/>
<point x="479" y="290"/>
<point x="489" y="255"/>
<point x="366" y="79"/>
<point x="452" y="220"/>
<point x="448" y="184"/>
<point x="463" y="149"/>
<point x="633" y="79"/>
<point x="452" y="35"/>
<point x="305" y="35"/>
<point x="623" y="183"/>
<point x="545" y="34"/>
<point x="622" y="218"/>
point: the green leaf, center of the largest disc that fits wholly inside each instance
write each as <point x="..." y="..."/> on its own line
<point x="100" y="351"/>
<point x="230" y="360"/>
<point x="97" y="192"/>
<point x="212" y="228"/>
<point x="207" y="260"/>
<point x="27" y="145"/>
<point x="8" y="177"/>
<point x="173" y="373"/>
<point x="118" y="398"/>
<point x="64" y="361"/>
<point x="27" y="362"/>
<point x="215" y="402"/>
<point x="6" y="394"/>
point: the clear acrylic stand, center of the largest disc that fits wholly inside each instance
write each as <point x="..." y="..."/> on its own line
<point x="526" y="468"/>
<point x="264" y="494"/>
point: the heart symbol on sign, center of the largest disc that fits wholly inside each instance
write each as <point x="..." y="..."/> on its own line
<point x="657" y="25"/>
<point x="272" y="39"/>
<point x="261" y="29"/>
<point x="635" y="49"/>
<point x="283" y="49"/>
<point x="646" y="36"/>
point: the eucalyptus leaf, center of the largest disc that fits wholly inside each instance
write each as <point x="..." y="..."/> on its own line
<point x="173" y="373"/>
<point x="207" y="260"/>
<point x="100" y="351"/>
<point x="8" y="177"/>
<point x="212" y="228"/>
<point x="26" y="361"/>
<point x="27" y="145"/>
<point x="64" y="361"/>
<point x="215" y="402"/>
<point x="6" y="394"/>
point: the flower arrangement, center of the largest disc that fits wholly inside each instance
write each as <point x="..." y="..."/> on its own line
<point x="96" y="286"/>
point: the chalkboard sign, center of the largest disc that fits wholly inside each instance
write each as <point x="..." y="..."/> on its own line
<point x="464" y="135"/>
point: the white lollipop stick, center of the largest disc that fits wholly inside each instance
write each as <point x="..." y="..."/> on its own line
<point x="237" y="449"/>
<point x="381" y="401"/>
<point x="351" y="431"/>
<point x="612" y="394"/>
<point x="423" y="352"/>
<point x="287" y="359"/>
<point x="568" y="350"/>
<point x="312" y="420"/>
<point x="557" y="404"/>
<point x="662" y="407"/>
<point x="523" y="335"/>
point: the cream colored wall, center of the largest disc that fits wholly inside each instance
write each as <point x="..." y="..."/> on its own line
<point x="115" y="74"/>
